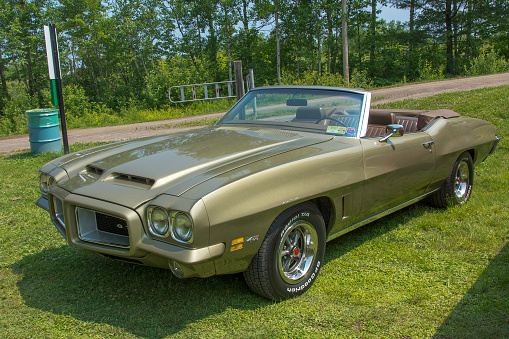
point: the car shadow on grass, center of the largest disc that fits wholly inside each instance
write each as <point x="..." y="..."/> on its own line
<point x="349" y="241"/>
<point x="146" y="301"/>
<point x="484" y="310"/>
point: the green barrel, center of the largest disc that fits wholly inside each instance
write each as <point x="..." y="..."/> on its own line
<point x="44" y="130"/>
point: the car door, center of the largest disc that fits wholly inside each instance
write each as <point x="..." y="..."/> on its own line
<point x="396" y="171"/>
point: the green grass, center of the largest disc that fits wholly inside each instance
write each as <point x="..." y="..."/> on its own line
<point x="418" y="273"/>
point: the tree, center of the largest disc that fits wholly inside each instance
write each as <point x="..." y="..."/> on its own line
<point x="227" y="19"/>
<point x="344" y="33"/>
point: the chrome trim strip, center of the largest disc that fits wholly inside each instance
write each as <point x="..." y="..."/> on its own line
<point x="364" y="116"/>
<point x="378" y="216"/>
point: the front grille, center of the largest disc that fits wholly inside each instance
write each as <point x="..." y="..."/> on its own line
<point x="102" y="228"/>
<point x="110" y="224"/>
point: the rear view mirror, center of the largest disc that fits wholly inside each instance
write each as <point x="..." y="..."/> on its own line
<point x="296" y="102"/>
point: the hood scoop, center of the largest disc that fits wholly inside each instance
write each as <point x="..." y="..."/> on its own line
<point x="94" y="170"/>
<point x="130" y="181"/>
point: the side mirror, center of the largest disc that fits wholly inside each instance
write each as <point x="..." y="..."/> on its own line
<point x="393" y="130"/>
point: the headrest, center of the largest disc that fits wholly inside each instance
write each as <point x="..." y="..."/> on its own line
<point x="309" y="113"/>
<point x="381" y="118"/>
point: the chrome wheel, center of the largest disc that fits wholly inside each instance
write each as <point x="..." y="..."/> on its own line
<point x="462" y="181"/>
<point x="291" y="254"/>
<point x="297" y="252"/>
<point x="457" y="188"/>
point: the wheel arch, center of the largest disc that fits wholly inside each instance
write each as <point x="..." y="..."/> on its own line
<point x="473" y="154"/>
<point x="327" y="210"/>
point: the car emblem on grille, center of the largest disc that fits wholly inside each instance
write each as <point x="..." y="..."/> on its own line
<point x="120" y="226"/>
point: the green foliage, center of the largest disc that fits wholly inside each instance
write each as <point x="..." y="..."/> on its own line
<point x="359" y="79"/>
<point x="488" y="62"/>
<point x="14" y="121"/>
<point x="312" y="79"/>
<point x="179" y="70"/>
<point x="81" y="113"/>
<point x="428" y="71"/>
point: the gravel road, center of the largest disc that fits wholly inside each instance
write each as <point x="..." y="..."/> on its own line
<point x="138" y="130"/>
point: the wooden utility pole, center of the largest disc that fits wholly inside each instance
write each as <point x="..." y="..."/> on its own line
<point x="239" y="79"/>
<point x="344" y="34"/>
<point x="278" y="52"/>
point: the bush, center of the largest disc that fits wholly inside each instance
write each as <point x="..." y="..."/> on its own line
<point x="360" y="79"/>
<point x="428" y="71"/>
<point x="488" y="62"/>
<point x="312" y="79"/>
<point x="179" y="70"/>
<point x="14" y="121"/>
<point x="80" y="112"/>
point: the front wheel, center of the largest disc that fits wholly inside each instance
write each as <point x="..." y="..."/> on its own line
<point x="457" y="188"/>
<point x="291" y="254"/>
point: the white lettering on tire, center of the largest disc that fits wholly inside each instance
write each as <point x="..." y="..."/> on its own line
<point x="304" y="285"/>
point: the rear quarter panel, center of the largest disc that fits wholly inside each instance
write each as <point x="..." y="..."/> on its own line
<point x="455" y="136"/>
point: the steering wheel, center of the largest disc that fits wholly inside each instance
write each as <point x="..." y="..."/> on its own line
<point x="333" y="119"/>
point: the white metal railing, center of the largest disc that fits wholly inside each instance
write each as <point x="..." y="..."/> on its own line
<point x="206" y="96"/>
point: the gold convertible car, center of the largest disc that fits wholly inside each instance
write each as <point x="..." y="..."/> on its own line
<point x="261" y="192"/>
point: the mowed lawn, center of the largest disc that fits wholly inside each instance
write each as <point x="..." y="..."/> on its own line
<point x="418" y="273"/>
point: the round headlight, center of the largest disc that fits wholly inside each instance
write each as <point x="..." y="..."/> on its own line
<point x="43" y="182"/>
<point x="51" y="182"/>
<point x="182" y="227"/>
<point x="158" y="221"/>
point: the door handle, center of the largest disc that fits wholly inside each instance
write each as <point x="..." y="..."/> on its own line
<point x="428" y="145"/>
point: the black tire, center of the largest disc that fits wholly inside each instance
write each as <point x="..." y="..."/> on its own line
<point x="457" y="188"/>
<point x="291" y="254"/>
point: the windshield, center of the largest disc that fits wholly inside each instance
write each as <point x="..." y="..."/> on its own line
<point x="327" y="111"/>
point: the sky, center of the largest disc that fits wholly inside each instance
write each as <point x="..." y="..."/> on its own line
<point x="391" y="13"/>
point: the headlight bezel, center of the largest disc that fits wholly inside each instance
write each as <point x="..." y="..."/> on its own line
<point x="52" y="182"/>
<point x="43" y="183"/>
<point x="179" y="225"/>
<point x="151" y="225"/>
<point x="46" y="182"/>
<point x="175" y="227"/>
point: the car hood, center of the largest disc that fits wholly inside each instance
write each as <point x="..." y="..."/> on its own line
<point x="133" y="172"/>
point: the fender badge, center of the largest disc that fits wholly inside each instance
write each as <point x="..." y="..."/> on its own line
<point x="253" y="238"/>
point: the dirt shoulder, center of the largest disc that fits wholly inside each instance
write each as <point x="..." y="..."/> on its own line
<point x="151" y="128"/>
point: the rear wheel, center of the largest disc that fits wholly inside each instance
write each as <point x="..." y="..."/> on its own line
<point x="291" y="254"/>
<point x="457" y="188"/>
